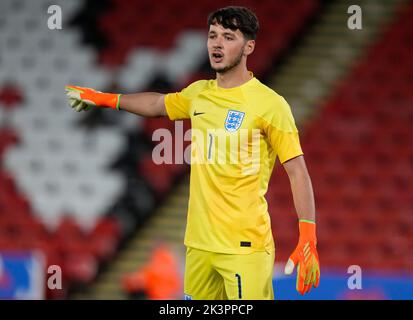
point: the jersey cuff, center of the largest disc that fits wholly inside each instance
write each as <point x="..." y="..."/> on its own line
<point x="168" y="106"/>
<point x="282" y="161"/>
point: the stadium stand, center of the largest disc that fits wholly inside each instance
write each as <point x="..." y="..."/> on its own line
<point x="55" y="190"/>
<point x="78" y="186"/>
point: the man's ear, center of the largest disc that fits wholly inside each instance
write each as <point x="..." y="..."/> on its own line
<point x="249" y="47"/>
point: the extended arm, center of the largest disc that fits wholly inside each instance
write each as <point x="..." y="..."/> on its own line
<point x="146" y="104"/>
<point x="305" y="255"/>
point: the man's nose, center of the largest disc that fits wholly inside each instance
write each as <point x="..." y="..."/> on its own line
<point x="217" y="43"/>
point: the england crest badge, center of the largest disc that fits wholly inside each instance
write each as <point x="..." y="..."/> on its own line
<point x="234" y="120"/>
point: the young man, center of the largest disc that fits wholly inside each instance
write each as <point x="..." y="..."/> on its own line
<point x="230" y="248"/>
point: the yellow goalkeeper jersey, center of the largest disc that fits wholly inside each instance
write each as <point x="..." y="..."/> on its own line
<point x="237" y="134"/>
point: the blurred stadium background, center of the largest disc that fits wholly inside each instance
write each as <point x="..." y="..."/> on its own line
<point x="82" y="191"/>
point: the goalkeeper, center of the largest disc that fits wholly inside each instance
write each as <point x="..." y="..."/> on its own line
<point x="230" y="249"/>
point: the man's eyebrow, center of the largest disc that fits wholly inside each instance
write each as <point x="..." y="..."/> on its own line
<point x="225" y="33"/>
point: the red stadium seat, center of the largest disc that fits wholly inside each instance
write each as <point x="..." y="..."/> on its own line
<point x="10" y="96"/>
<point x="159" y="177"/>
<point x="80" y="268"/>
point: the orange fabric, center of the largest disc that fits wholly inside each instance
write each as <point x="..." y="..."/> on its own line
<point x="135" y="281"/>
<point x="163" y="278"/>
<point x="159" y="278"/>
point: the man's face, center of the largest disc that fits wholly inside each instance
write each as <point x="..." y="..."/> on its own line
<point x="225" y="48"/>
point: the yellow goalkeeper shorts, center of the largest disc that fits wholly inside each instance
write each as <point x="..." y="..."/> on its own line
<point x="219" y="276"/>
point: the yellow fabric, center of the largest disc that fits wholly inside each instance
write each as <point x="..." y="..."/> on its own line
<point x="219" y="276"/>
<point x="227" y="206"/>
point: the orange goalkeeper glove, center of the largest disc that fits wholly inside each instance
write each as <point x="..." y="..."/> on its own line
<point x="306" y="257"/>
<point x="82" y="98"/>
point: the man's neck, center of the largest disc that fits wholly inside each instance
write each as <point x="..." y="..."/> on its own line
<point x="233" y="78"/>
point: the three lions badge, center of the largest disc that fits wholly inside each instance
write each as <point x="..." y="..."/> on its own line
<point x="234" y="120"/>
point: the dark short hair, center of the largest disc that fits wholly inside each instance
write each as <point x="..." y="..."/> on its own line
<point x="235" y="17"/>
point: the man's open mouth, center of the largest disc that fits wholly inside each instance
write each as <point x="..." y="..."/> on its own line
<point x="217" y="57"/>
